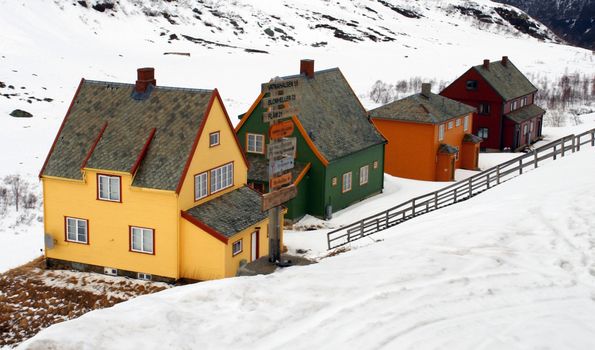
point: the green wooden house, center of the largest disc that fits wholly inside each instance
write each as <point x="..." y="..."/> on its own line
<point x="340" y="155"/>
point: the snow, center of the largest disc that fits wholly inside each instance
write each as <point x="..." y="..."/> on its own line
<point x="513" y="268"/>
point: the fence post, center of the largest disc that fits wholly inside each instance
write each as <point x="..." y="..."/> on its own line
<point x="488" y="181"/>
<point x="387" y="219"/>
<point x="555" y="152"/>
<point x="593" y="138"/>
<point x="578" y="143"/>
<point x="535" y="157"/>
<point x="470" y="187"/>
<point x="413" y="208"/>
<point x="436" y="200"/>
<point x="563" y="145"/>
<point x="573" y="144"/>
<point x="455" y="198"/>
<point x="521" y="166"/>
<point x="498" y="174"/>
<point x="361" y="228"/>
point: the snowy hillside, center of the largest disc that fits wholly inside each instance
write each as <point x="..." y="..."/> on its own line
<point x="513" y="268"/>
<point x="47" y="46"/>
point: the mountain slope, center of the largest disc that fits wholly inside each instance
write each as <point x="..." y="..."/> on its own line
<point x="512" y="268"/>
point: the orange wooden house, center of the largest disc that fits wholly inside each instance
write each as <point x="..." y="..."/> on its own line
<point x="429" y="136"/>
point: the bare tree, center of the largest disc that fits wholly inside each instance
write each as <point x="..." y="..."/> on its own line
<point x="17" y="186"/>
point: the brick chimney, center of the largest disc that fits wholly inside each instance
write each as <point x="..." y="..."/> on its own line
<point x="486" y="64"/>
<point x="307" y="68"/>
<point x="505" y="61"/>
<point x="145" y="76"/>
<point x="426" y="89"/>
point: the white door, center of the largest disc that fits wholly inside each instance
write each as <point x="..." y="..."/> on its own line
<point x="254" y="246"/>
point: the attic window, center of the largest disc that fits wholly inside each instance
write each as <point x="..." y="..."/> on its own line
<point x="214" y="139"/>
<point x="472" y="85"/>
<point x="109" y="188"/>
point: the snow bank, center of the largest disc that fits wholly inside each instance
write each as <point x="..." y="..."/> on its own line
<point x="511" y="268"/>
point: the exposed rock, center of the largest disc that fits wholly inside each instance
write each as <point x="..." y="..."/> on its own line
<point x="19" y="113"/>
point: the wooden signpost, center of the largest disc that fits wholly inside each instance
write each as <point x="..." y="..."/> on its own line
<point x="284" y="147"/>
<point x="278" y="166"/>
<point x="278" y="197"/>
<point x="280" y="130"/>
<point x="280" y="181"/>
<point x="278" y="114"/>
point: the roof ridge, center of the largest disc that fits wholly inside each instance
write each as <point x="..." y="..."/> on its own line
<point x="159" y="87"/>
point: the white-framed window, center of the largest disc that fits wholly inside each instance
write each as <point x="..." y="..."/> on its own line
<point x="334" y="181"/>
<point x="363" y="174"/>
<point x="200" y="186"/>
<point x="484" y="108"/>
<point x="214" y="139"/>
<point x="450" y="124"/>
<point x="144" y="276"/>
<point x="513" y="105"/>
<point x="236" y="247"/>
<point x="471" y="84"/>
<point x="77" y="230"/>
<point x="525" y="128"/>
<point x="375" y="164"/>
<point x="483" y="133"/>
<point x="142" y="240"/>
<point x="346" y="185"/>
<point x="221" y="177"/>
<point x="466" y="123"/>
<point x="108" y="188"/>
<point x="441" y="132"/>
<point x="523" y="101"/>
<point x="255" y="143"/>
<point x="458" y="122"/>
<point x="532" y="126"/>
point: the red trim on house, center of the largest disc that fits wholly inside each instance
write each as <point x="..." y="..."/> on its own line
<point x="66" y="230"/>
<point x="195" y="144"/>
<point x="92" y="149"/>
<point x="204" y="227"/>
<point x="97" y="194"/>
<point x="47" y="158"/>
<point x="130" y="239"/>
<point x="142" y="153"/>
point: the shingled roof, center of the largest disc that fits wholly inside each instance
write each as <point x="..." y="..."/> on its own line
<point x="507" y="80"/>
<point x="230" y="213"/>
<point x="333" y="116"/>
<point x="174" y="115"/>
<point x="525" y="113"/>
<point x="419" y="108"/>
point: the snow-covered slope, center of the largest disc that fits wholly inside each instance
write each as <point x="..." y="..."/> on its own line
<point x="47" y="46"/>
<point x="513" y="268"/>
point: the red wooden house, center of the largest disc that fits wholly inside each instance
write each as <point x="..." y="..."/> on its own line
<point x="506" y="116"/>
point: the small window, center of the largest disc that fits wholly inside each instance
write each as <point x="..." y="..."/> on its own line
<point x="531" y="126"/>
<point x="441" y="132"/>
<point x="484" y="108"/>
<point x="334" y="181"/>
<point x="346" y="185"/>
<point x="466" y="123"/>
<point x="221" y="178"/>
<point x="108" y="188"/>
<point x="142" y="240"/>
<point x="525" y="128"/>
<point x="375" y="164"/>
<point x="363" y="175"/>
<point x="471" y="84"/>
<point x="450" y="124"/>
<point x="523" y="101"/>
<point x="214" y="139"/>
<point x="200" y="186"/>
<point x="255" y="143"/>
<point x="458" y="122"/>
<point x="513" y="105"/>
<point x="236" y="248"/>
<point x="144" y="276"/>
<point x="77" y="230"/>
<point x="483" y="133"/>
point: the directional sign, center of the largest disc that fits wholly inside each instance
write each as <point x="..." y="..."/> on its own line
<point x="276" y="198"/>
<point x="280" y="165"/>
<point x="279" y="181"/>
<point x="279" y="101"/>
<point x="284" y="147"/>
<point x="280" y="85"/>
<point x="282" y="129"/>
<point x="278" y="114"/>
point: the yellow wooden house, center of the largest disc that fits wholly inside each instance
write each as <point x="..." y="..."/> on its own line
<point x="149" y="182"/>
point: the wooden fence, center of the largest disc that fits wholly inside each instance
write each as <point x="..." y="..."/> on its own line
<point x="461" y="190"/>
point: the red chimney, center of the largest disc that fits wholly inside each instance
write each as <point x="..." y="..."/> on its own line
<point x="307" y="68"/>
<point x="145" y="76"/>
<point x="505" y="61"/>
<point x="486" y="64"/>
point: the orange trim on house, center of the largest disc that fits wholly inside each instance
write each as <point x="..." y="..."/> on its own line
<point x="309" y="141"/>
<point x="302" y="174"/>
<point x="204" y="227"/>
<point x="92" y="149"/>
<point x="247" y="114"/>
<point x="47" y="158"/>
<point x="142" y="153"/>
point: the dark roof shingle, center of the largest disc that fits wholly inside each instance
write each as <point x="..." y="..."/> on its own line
<point x="175" y="113"/>
<point x="525" y="113"/>
<point x="333" y="116"/>
<point x="507" y="80"/>
<point x="418" y="108"/>
<point x="230" y="213"/>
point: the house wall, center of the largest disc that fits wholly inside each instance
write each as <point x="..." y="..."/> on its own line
<point x="206" y="158"/>
<point x="311" y="195"/>
<point x="353" y="163"/>
<point x="232" y="262"/>
<point x="454" y="136"/>
<point x="483" y="94"/>
<point x="202" y="256"/>
<point x="411" y="148"/>
<point x="444" y="168"/>
<point x="108" y="224"/>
